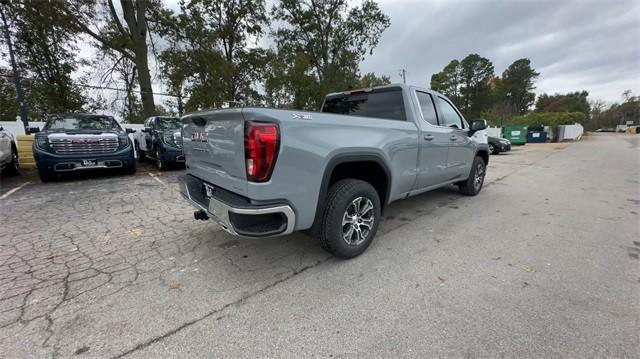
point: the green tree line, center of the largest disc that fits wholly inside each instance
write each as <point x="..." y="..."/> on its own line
<point x="478" y="92"/>
<point x="211" y="52"/>
<point x="206" y="54"/>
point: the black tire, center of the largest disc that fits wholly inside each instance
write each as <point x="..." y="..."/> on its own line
<point x="492" y="149"/>
<point x="160" y="163"/>
<point x="131" y="169"/>
<point x="473" y="184"/>
<point x="340" y="202"/>
<point x="12" y="168"/>
<point x="46" y="175"/>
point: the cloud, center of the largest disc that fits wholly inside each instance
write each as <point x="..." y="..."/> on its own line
<point x="575" y="45"/>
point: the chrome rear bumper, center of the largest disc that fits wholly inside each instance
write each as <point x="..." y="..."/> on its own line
<point x="220" y="212"/>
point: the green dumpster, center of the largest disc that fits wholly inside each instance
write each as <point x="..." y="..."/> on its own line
<point x="515" y="133"/>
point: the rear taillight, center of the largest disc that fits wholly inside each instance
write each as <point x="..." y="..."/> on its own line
<point x="261" y="143"/>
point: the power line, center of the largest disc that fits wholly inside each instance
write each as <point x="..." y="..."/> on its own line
<point x="102" y="87"/>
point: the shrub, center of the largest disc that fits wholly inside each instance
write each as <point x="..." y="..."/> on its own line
<point x="549" y="119"/>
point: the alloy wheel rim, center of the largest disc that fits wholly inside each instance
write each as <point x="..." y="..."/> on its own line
<point x="357" y="221"/>
<point x="479" y="176"/>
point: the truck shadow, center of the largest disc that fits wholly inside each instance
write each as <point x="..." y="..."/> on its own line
<point x="256" y="260"/>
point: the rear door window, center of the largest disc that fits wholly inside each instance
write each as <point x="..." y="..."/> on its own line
<point x="385" y="103"/>
<point x="427" y="107"/>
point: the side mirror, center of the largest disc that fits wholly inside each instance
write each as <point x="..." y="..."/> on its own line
<point x="477" y="125"/>
<point x="130" y="130"/>
<point x="33" y="130"/>
<point x="145" y="130"/>
<point x="1" y="128"/>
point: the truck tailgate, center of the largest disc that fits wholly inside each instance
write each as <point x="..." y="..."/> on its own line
<point x="214" y="148"/>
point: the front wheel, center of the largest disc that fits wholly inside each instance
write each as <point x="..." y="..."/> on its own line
<point x="492" y="149"/>
<point x="473" y="184"/>
<point x="160" y="162"/>
<point x="351" y="218"/>
<point x="131" y="168"/>
<point x="46" y="175"/>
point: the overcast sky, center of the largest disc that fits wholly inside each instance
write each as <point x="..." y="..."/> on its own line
<point x="591" y="45"/>
<point x="574" y="45"/>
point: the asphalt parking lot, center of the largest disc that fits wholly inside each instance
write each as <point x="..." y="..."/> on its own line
<point x="543" y="262"/>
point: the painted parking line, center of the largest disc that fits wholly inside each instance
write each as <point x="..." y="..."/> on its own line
<point x="13" y="190"/>
<point x="155" y="177"/>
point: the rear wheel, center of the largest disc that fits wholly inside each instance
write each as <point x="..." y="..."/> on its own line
<point x="12" y="168"/>
<point x="350" y="219"/>
<point x="473" y="184"/>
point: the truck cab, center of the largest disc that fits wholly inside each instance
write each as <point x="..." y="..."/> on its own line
<point x="160" y="141"/>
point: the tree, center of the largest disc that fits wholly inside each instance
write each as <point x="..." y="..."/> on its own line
<point x="549" y="119"/>
<point x="448" y="81"/>
<point x="616" y="114"/>
<point x="476" y="73"/>
<point x="289" y="82"/>
<point x="46" y="53"/>
<point x="467" y="83"/>
<point x="571" y="102"/>
<point x="516" y="86"/>
<point x="331" y="38"/>
<point x="209" y="57"/>
<point x="8" y="102"/>
<point x="232" y="22"/>
<point x="126" y="34"/>
<point x="370" y="79"/>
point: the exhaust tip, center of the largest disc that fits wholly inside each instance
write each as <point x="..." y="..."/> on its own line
<point x="200" y="215"/>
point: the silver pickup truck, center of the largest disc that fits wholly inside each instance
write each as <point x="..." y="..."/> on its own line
<point x="262" y="172"/>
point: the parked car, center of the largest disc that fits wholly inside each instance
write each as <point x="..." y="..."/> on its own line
<point x="8" y="153"/>
<point x="497" y="145"/>
<point x="264" y="172"/>
<point x="72" y="142"/>
<point x="161" y="141"/>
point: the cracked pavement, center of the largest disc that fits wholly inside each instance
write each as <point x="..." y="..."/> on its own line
<point x="115" y="265"/>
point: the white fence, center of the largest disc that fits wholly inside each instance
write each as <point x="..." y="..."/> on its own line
<point x="494" y="131"/>
<point x="570" y="132"/>
<point x="17" y="127"/>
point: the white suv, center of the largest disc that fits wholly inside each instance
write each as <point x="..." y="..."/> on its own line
<point x="8" y="153"/>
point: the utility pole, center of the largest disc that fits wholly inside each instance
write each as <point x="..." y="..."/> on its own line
<point x="403" y="73"/>
<point x="16" y="73"/>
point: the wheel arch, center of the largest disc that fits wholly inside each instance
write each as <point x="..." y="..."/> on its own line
<point x="334" y="171"/>
<point x="484" y="154"/>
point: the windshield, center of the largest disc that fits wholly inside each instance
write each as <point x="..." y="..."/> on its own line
<point x="83" y="122"/>
<point x="168" y="123"/>
<point x="385" y="103"/>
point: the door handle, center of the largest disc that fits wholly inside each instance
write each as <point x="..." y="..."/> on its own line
<point x="428" y="137"/>
<point x="453" y="138"/>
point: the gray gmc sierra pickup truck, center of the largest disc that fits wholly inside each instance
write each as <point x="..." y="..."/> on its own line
<point x="262" y="172"/>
